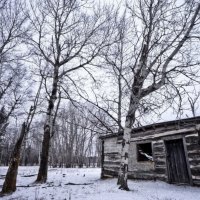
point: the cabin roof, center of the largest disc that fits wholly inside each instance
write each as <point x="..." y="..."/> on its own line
<point x="180" y="122"/>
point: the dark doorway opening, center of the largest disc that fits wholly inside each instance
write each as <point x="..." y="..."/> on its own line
<point x="176" y="162"/>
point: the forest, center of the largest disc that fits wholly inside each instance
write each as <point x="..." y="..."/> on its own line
<point x="74" y="70"/>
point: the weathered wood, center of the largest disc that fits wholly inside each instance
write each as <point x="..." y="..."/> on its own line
<point x="112" y="162"/>
<point x="176" y="161"/>
<point x="142" y="175"/>
<point x="192" y="139"/>
<point x="194" y="154"/>
<point x="187" y="155"/>
<point x="160" y="162"/>
<point x="160" y="170"/>
<point x="110" y="172"/>
<point x="194" y="162"/>
<point x="195" y="171"/>
<point x="112" y="156"/>
<point x="158" y="149"/>
<point x="196" y="182"/>
<point x="160" y="135"/>
<point x="111" y="153"/>
<point x="193" y="147"/>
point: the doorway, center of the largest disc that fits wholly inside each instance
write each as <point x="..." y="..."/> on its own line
<point x="176" y="162"/>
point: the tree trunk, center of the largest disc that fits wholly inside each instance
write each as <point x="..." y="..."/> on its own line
<point x="123" y="171"/>
<point x="42" y="174"/>
<point x="11" y="176"/>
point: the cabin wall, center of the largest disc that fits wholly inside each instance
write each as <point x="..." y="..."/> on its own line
<point x="139" y="169"/>
<point x="159" y="156"/>
<point x="158" y="168"/>
<point x="193" y="154"/>
<point x="111" y="160"/>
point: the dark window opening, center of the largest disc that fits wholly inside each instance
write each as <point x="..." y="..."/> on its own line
<point x="144" y="152"/>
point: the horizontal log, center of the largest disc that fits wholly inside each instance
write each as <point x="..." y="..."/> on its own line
<point x="195" y="167"/>
<point x="158" y="149"/>
<point x="112" y="157"/>
<point x="114" y="161"/>
<point x="194" y="154"/>
<point x="159" y="155"/>
<point x="160" y="170"/>
<point x="158" y="143"/>
<point x="194" y="162"/>
<point x="110" y="149"/>
<point x="111" y="168"/>
<point x="153" y="131"/>
<point x="192" y="147"/>
<point x="159" y="158"/>
<point x="144" y="176"/>
<point x="160" y="175"/>
<point x="191" y="135"/>
<point x="111" y="153"/>
<point x="196" y="177"/>
<point x="111" y="165"/>
<point x="120" y="137"/>
<point x="109" y="173"/>
<point x="160" y="162"/>
<point x="191" y="140"/>
<point x="195" y="172"/>
<point x="159" y="135"/>
<point x="159" y="146"/>
<point x="196" y="182"/>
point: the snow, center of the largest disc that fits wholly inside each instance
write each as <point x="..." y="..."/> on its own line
<point x="93" y="187"/>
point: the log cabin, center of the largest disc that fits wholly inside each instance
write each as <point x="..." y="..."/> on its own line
<point x="167" y="151"/>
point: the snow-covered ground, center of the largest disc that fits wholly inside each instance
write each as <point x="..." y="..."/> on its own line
<point x="92" y="187"/>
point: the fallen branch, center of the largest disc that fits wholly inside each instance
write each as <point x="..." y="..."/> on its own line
<point x="29" y="175"/>
<point x="79" y="183"/>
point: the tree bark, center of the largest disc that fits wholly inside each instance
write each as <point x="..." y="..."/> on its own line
<point x="42" y="175"/>
<point x="123" y="171"/>
<point x="11" y="176"/>
<point x="43" y="169"/>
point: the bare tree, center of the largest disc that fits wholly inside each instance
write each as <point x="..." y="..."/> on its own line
<point x="11" y="176"/>
<point x="193" y="101"/>
<point x="116" y="60"/>
<point x="13" y="29"/>
<point x="66" y="37"/>
<point x="74" y="138"/>
<point x="13" y="26"/>
<point x="161" y="30"/>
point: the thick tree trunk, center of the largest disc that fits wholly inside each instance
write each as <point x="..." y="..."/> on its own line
<point x="130" y="119"/>
<point x="43" y="169"/>
<point x="42" y="175"/>
<point x="123" y="171"/>
<point x="11" y="176"/>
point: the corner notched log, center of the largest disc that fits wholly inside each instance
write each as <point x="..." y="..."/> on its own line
<point x="11" y="176"/>
<point x="42" y="175"/>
